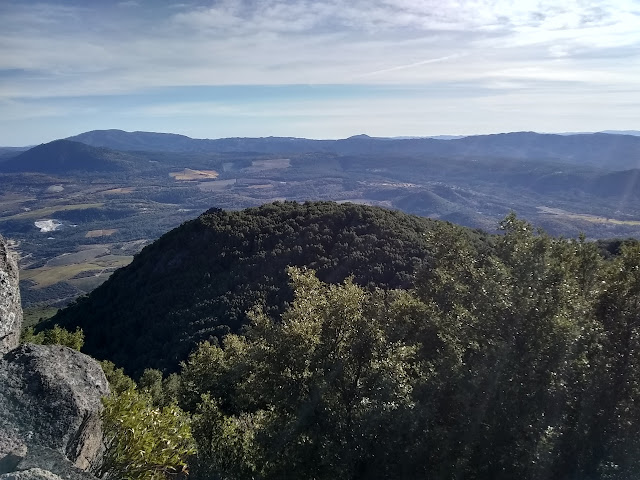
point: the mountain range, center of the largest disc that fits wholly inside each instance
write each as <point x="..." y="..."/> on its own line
<point x="616" y="152"/>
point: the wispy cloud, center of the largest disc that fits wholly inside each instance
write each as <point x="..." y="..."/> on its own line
<point x="253" y="41"/>
<point x="411" y="65"/>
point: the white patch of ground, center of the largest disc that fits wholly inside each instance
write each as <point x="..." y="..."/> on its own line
<point x="47" y="225"/>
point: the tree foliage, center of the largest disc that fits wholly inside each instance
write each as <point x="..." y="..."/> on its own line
<point x="313" y="394"/>
<point x="142" y="441"/>
<point x="118" y="380"/>
<point x="55" y="336"/>
<point x="509" y="360"/>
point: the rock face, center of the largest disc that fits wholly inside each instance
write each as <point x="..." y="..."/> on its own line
<point x="50" y="398"/>
<point x="10" y="309"/>
<point x="52" y="462"/>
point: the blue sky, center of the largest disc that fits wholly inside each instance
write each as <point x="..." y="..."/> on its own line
<point x="317" y="68"/>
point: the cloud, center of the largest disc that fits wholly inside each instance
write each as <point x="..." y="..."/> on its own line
<point x="101" y="49"/>
<point x="417" y="15"/>
<point x="491" y="48"/>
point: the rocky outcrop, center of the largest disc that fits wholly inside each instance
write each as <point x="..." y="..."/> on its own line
<point x="51" y="461"/>
<point x="50" y="398"/>
<point x="10" y="309"/>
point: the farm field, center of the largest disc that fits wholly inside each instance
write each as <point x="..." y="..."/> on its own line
<point x="188" y="174"/>
<point x="48" y="211"/>
<point x="586" y="217"/>
<point x="51" y="274"/>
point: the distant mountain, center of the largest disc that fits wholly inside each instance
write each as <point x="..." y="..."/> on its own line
<point x="63" y="156"/>
<point x="142" y="141"/>
<point x="602" y="150"/>
<point x="199" y="280"/>
<point x="624" y="185"/>
<point x="635" y="133"/>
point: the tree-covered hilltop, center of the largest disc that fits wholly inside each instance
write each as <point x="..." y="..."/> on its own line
<point x="198" y="281"/>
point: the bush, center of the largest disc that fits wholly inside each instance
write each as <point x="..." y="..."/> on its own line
<point x="55" y="336"/>
<point x="143" y="442"/>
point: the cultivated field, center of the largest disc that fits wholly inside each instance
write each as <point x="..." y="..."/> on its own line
<point x="188" y="174"/>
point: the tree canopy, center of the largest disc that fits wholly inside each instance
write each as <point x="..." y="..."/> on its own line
<point x="197" y="282"/>
<point x="515" y="363"/>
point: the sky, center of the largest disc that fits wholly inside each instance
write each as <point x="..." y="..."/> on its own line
<point x="317" y="68"/>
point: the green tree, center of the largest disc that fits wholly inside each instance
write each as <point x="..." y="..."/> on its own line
<point x="516" y="325"/>
<point x="226" y="444"/>
<point x="163" y="391"/>
<point x="142" y="441"/>
<point x="150" y="382"/>
<point x="118" y="380"/>
<point x="331" y="392"/>
<point x="610" y="410"/>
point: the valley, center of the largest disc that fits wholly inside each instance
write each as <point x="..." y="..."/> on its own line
<point x="74" y="226"/>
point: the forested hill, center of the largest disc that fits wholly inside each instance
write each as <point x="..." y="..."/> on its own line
<point x="199" y="280"/>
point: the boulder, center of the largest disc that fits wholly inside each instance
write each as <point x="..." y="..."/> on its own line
<point x="31" y="474"/>
<point x="52" y="462"/>
<point x="50" y="396"/>
<point x="10" y="309"/>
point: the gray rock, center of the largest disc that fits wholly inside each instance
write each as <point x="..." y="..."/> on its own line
<point x="52" y="461"/>
<point x="31" y="474"/>
<point x="10" y="309"/>
<point x="51" y="396"/>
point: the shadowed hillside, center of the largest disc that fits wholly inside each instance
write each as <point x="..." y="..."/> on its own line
<point x="63" y="156"/>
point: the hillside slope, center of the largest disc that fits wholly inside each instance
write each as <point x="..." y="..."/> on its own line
<point x="199" y="280"/>
<point x="64" y="156"/>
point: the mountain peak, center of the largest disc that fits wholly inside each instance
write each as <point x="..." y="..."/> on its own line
<point x="62" y="156"/>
